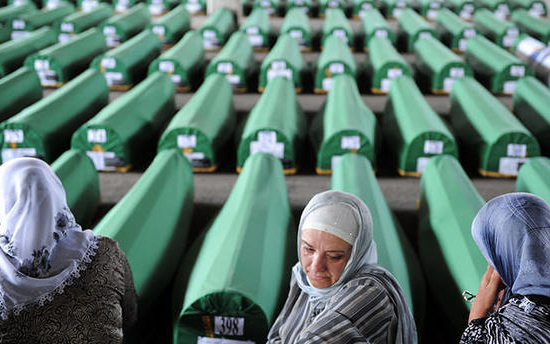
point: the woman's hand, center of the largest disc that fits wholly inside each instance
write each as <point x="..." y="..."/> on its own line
<point x="490" y="288"/>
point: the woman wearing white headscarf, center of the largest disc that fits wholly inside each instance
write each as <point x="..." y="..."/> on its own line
<point x="58" y="283"/>
<point x="513" y="300"/>
<point x="338" y="294"/>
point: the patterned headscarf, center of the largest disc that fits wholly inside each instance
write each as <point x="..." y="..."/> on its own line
<point x="42" y="248"/>
<point x="513" y="233"/>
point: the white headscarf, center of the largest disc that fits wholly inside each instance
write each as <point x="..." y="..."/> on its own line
<point x="42" y="248"/>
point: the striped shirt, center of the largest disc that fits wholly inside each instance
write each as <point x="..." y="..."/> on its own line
<point x="360" y="312"/>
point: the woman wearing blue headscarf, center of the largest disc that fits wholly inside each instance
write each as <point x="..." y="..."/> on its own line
<point x="513" y="301"/>
<point x="338" y="294"/>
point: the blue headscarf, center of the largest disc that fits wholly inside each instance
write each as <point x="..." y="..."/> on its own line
<point x="513" y="233"/>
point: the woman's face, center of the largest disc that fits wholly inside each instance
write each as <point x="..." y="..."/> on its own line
<point x="324" y="257"/>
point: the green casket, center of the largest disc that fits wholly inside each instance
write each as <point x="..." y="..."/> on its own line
<point x="195" y="7"/>
<point x="496" y="68"/>
<point x="122" y="27"/>
<point x="392" y="9"/>
<point x="303" y="5"/>
<point x="233" y="280"/>
<point x="204" y="125"/>
<point x="296" y="24"/>
<point x="217" y="29"/>
<point x="257" y="28"/>
<point x="325" y="5"/>
<point x="160" y="7"/>
<point x="11" y="12"/>
<point x="5" y="33"/>
<point x="453" y="31"/>
<point x="117" y="136"/>
<point x="412" y="27"/>
<point x="452" y="261"/>
<point x="275" y="125"/>
<point x="61" y="62"/>
<point x="14" y="52"/>
<point x="122" y="6"/>
<point x="499" y="7"/>
<point x="270" y="6"/>
<point x="79" y="22"/>
<point x="171" y="27"/>
<point x="491" y="138"/>
<point x="51" y="4"/>
<point x="502" y="32"/>
<point x="533" y="177"/>
<point x="32" y="20"/>
<point x="335" y="59"/>
<point x="81" y="183"/>
<point x="463" y="8"/>
<point x="336" y="24"/>
<point x="359" y="7"/>
<point x="536" y="8"/>
<point x="385" y="64"/>
<point x="414" y="131"/>
<point x="183" y="62"/>
<point x="44" y="129"/>
<point x="87" y="5"/>
<point x="125" y="65"/>
<point x="285" y="60"/>
<point x="343" y="125"/>
<point x="438" y="65"/>
<point x="17" y="91"/>
<point x="428" y="8"/>
<point x="374" y="25"/>
<point x="537" y="28"/>
<point x="531" y="104"/>
<point x="235" y="61"/>
<point x="151" y="223"/>
<point x="354" y="174"/>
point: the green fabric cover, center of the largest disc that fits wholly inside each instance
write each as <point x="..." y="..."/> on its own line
<point x="412" y="27"/>
<point x="535" y="27"/>
<point x="81" y="21"/>
<point x="535" y="7"/>
<point x="343" y="125"/>
<point x="453" y="31"/>
<point x="204" y="125"/>
<point x="285" y="60"/>
<point x="499" y="7"/>
<point x="32" y="20"/>
<point x="533" y="177"/>
<point x="14" y="52"/>
<point x="414" y="131"/>
<point x="374" y="25"/>
<point x="116" y="136"/>
<point x="11" y="12"/>
<point x="439" y="64"/>
<point x="496" y="68"/>
<point x="428" y="8"/>
<point x="171" y="27"/>
<point x="217" y="29"/>
<point x="241" y="269"/>
<point x="354" y="174"/>
<point x="127" y="64"/>
<point x="275" y="125"/>
<point x="46" y="126"/>
<point x="361" y="6"/>
<point x="61" y="62"/>
<point x="336" y="58"/>
<point x="502" y="32"/>
<point x="325" y="5"/>
<point x="490" y="136"/>
<point x="182" y="62"/>
<point x="463" y="8"/>
<point x="336" y="24"/>
<point x="385" y="64"/>
<point x="122" y="27"/>
<point x="257" y="28"/>
<point x="531" y="105"/>
<point x="5" y="33"/>
<point x="81" y="183"/>
<point x="392" y="9"/>
<point x="452" y="261"/>
<point x="17" y="91"/>
<point x="296" y="24"/>
<point x="195" y="7"/>
<point x="235" y="60"/>
<point x="153" y="244"/>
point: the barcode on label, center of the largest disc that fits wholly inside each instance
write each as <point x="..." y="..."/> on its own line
<point x="336" y="68"/>
<point x="433" y="147"/>
<point x="350" y="142"/>
<point x="97" y="135"/>
<point x="187" y="141"/>
<point x="14" y="135"/>
<point x="229" y="326"/>
<point x="225" y="67"/>
<point x="516" y="150"/>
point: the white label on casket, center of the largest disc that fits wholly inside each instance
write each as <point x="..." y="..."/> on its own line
<point x="272" y="73"/>
<point x="536" y="10"/>
<point x="333" y="4"/>
<point x="448" y="84"/>
<point x="225" y="67"/>
<point x="278" y="65"/>
<point x="18" y="24"/>
<point x="194" y="156"/>
<point x="209" y="34"/>
<point x="88" y="5"/>
<point x="381" y="33"/>
<point x="187" y="141"/>
<point x="269" y="137"/>
<point x="207" y="340"/>
<point x="421" y="163"/>
<point x="64" y="37"/>
<point x="469" y="33"/>
<point x="108" y="63"/>
<point x="41" y="64"/>
<point x="234" y="79"/>
<point x="336" y="68"/>
<point x="424" y="34"/>
<point x="265" y="3"/>
<point x="12" y="153"/>
<point x="109" y="30"/>
<point x="252" y="30"/>
<point x="193" y="8"/>
<point x="433" y="147"/>
<point x="14" y="136"/>
<point x="256" y="40"/>
<point x="385" y="85"/>
<point x="327" y="84"/>
<point x="334" y="160"/>
<point x="340" y="33"/>
<point x="366" y="6"/>
<point x="112" y="77"/>
<point x="228" y="326"/>
<point x="276" y="149"/>
<point x="508" y="40"/>
<point x="296" y="33"/>
<point x="350" y="142"/>
<point x="99" y="160"/>
<point x="159" y="30"/>
<point x="166" y="66"/>
<point x="456" y="72"/>
<point x="510" y="165"/>
<point x="19" y="34"/>
<point x="67" y="27"/>
<point x="396" y="12"/>
<point x="394" y="73"/>
<point x="509" y="87"/>
<point x="462" y="44"/>
<point x="516" y="150"/>
<point x="517" y="71"/>
<point x="97" y="135"/>
<point x="176" y="79"/>
<point x="432" y="14"/>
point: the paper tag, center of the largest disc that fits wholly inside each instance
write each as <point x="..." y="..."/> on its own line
<point x="176" y="79"/>
<point x="208" y="34"/>
<point x="336" y="68"/>
<point x="12" y="153"/>
<point x="424" y="34"/>
<point x="64" y="37"/>
<point x="340" y="33"/>
<point x="421" y="164"/>
<point x="385" y="85"/>
<point x="166" y="66"/>
<point x="327" y="84"/>
<point x="41" y="65"/>
<point x="228" y="326"/>
<point x="510" y="166"/>
<point x="296" y="33"/>
<point x="193" y="8"/>
<point x="14" y="135"/>
<point x="516" y="150"/>
<point x="333" y="4"/>
<point x="207" y="340"/>
<point x="517" y="71"/>
<point x="234" y="79"/>
<point x="225" y="67"/>
<point x="334" y="160"/>
<point x="396" y="12"/>
<point x="19" y="34"/>
<point x="462" y="44"/>
<point x="269" y="137"/>
<point x="456" y="72"/>
<point x="366" y="6"/>
<point x="509" y="87"/>
<point x="113" y="78"/>
<point x="508" y="40"/>
<point x="97" y="135"/>
<point x="252" y="30"/>
<point x="536" y="10"/>
<point x="187" y="141"/>
<point x="448" y="84"/>
<point x="272" y="73"/>
<point x="194" y="156"/>
<point x="256" y="40"/>
<point x="67" y="27"/>
<point x="88" y="5"/>
<point x="381" y="33"/>
<point x="432" y="14"/>
<point x="433" y="147"/>
<point x="18" y="24"/>
<point x="109" y="30"/>
<point x="350" y="142"/>
<point x="108" y="63"/>
<point x="394" y="73"/>
<point x="277" y="149"/>
<point x="99" y="160"/>
<point x="156" y="9"/>
<point x="159" y="30"/>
